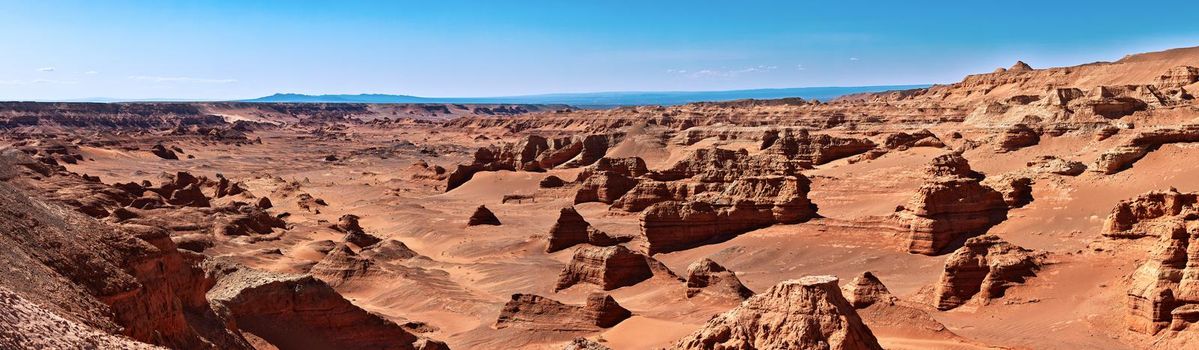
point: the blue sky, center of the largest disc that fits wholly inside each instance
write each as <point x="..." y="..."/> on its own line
<point x="241" y="49"/>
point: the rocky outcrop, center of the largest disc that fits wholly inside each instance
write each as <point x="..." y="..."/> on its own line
<point x="163" y="152"/>
<point x="1164" y="291"/>
<point x="122" y="279"/>
<point x="603" y="187"/>
<point x="535" y="153"/>
<point x="1157" y="214"/>
<point x="1119" y="158"/>
<point x="584" y="344"/>
<point x="1122" y="157"/>
<point x="131" y="280"/>
<point x="341" y="265"/>
<point x="348" y="224"/>
<point x="609" y="179"/>
<point x="1016" y="189"/>
<point x="901" y="141"/>
<point x="536" y="312"/>
<point x="1020" y="67"/>
<point x="922" y="138"/>
<point x="808" y="313"/>
<point x="1178" y="77"/>
<point x="982" y="270"/>
<point x="607" y="267"/>
<point x="866" y="290"/>
<point x="483" y="216"/>
<point x="648" y="192"/>
<point x="708" y="278"/>
<point x="25" y="325"/>
<point x="952" y="204"/>
<point x="551" y="182"/>
<point x="718" y="165"/>
<point x="1018" y="136"/>
<point x="630" y="167"/>
<point x="571" y="229"/>
<point x="1057" y="166"/>
<point x="814" y="149"/>
<point x="748" y="203"/>
<point x="301" y="312"/>
<point x="422" y="170"/>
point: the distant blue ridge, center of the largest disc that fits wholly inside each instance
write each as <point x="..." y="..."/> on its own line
<point x="600" y="99"/>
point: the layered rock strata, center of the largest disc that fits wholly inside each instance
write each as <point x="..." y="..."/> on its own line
<point x="808" y="313"/>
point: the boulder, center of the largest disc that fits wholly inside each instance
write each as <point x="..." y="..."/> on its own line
<point x="808" y="313"/>
<point x="163" y="152"/>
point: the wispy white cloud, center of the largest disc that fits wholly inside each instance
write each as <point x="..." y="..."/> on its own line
<point x="37" y="81"/>
<point x="46" y="69"/>
<point x="800" y="67"/>
<point x="161" y="79"/>
<point x="722" y="73"/>
<point x="853" y="58"/>
<point x="91" y="72"/>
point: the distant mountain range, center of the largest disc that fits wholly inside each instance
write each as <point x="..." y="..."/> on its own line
<point x="599" y="99"/>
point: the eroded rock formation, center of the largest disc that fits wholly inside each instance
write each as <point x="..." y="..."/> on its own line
<point x="1123" y="156"/>
<point x="748" y="203"/>
<point x="814" y="149"/>
<point x="535" y="153"/>
<point x="129" y="279"/>
<point x="1165" y="288"/>
<point x="540" y="313"/>
<point x="607" y="267"/>
<point x="808" y="313"/>
<point x="1058" y="166"/>
<point x="571" y="229"/>
<point x="1018" y="136"/>
<point x="865" y="290"/>
<point x="983" y="269"/>
<point x="706" y="277"/>
<point x="483" y="216"/>
<point x="952" y="204"/>
<point x="300" y="312"/>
